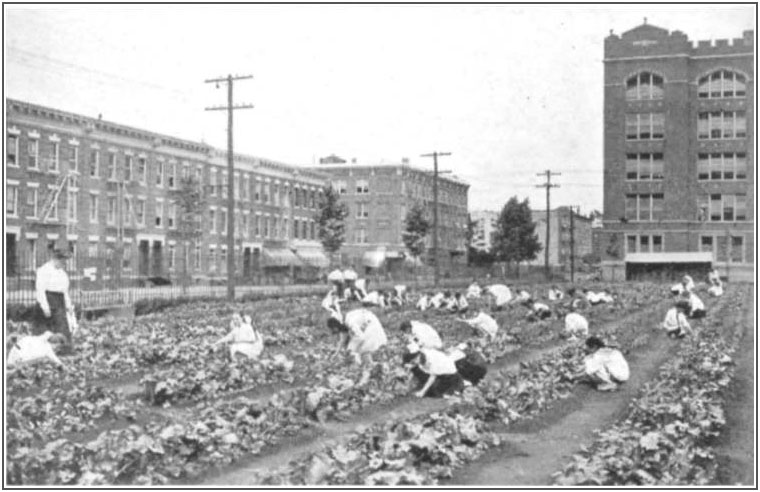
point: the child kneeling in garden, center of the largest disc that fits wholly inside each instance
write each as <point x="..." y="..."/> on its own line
<point x="242" y="338"/>
<point x="605" y="367"/>
<point x="434" y="372"/>
<point x="361" y="334"/>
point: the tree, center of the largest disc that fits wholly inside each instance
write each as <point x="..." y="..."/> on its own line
<point x="191" y="203"/>
<point x="416" y="229"/>
<point x="515" y="239"/>
<point x="331" y="219"/>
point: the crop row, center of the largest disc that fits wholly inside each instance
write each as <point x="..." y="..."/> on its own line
<point x="665" y="439"/>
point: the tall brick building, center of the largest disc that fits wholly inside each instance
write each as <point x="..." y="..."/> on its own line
<point x="116" y="208"/>
<point x="378" y="197"/>
<point x="678" y="151"/>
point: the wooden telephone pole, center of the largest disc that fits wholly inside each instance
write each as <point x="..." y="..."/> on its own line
<point x="230" y="107"/>
<point x="548" y="185"/>
<point x="435" y="156"/>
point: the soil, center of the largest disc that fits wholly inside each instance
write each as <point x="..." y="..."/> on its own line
<point x="735" y="448"/>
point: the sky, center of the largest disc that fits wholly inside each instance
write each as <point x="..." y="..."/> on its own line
<point x="509" y="90"/>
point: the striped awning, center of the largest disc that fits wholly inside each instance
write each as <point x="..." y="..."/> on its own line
<point x="280" y="257"/>
<point x="313" y="257"/>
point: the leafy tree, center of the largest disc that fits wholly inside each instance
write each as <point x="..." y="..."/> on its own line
<point x="416" y="229"/>
<point x="331" y="219"/>
<point x="515" y="239"/>
<point x="191" y="203"/>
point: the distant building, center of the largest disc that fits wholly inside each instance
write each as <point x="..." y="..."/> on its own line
<point x="562" y="234"/>
<point x="485" y="225"/>
<point x="116" y="208"/>
<point x="378" y="197"/>
<point x="678" y="154"/>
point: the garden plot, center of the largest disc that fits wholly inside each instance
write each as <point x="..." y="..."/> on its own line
<point x="167" y="443"/>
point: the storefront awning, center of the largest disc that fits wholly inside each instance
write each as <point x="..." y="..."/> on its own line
<point x="280" y="257"/>
<point x="313" y="257"/>
<point x="672" y="257"/>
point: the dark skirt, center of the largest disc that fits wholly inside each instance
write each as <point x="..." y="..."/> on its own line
<point x="472" y="368"/>
<point x="698" y="313"/>
<point x="443" y="385"/>
<point x="57" y="322"/>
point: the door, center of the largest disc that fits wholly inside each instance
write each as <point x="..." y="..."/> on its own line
<point x="246" y="262"/>
<point x="143" y="257"/>
<point x="11" y="261"/>
<point x="157" y="269"/>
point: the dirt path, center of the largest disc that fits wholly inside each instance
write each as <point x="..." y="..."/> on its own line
<point x="534" y="449"/>
<point x="736" y="446"/>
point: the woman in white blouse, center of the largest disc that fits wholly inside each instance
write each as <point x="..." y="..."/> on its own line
<point x="53" y="300"/>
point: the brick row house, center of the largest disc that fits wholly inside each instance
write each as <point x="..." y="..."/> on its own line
<point x="111" y="194"/>
<point x="378" y="196"/>
<point x="678" y="152"/>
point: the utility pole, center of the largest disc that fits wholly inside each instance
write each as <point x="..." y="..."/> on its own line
<point x="435" y="156"/>
<point x="230" y="176"/>
<point x="572" y="244"/>
<point x="548" y="185"/>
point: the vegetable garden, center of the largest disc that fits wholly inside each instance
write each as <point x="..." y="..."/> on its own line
<point x="148" y="401"/>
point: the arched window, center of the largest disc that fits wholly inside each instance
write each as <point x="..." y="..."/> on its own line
<point x="644" y="86"/>
<point x="722" y="84"/>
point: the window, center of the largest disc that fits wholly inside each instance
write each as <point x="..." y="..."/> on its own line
<point x="223" y="184"/>
<point x="32" y="254"/>
<point x="644" y="167"/>
<point x="644" y="207"/>
<point x="304" y="229"/>
<point x="257" y="191"/>
<point x="722" y="166"/>
<point x="223" y="218"/>
<point x="223" y="259"/>
<point x="212" y="258"/>
<point x="296" y="197"/>
<point x="159" y="214"/>
<point x="197" y="259"/>
<point x="644" y="126"/>
<point x="644" y="86"/>
<point x="737" y="249"/>
<point x="265" y="193"/>
<point x="361" y="211"/>
<point x="276" y="195"/>
<point x="286" y="196"/>
<point x="93" y="206"/>
<point x="54" y="155"/>
<point x="728" y="208"/>
<point x="141" y="167"/>
<point x="33" y="151"/>
<point x="296" y="225"/>
<point x="258" y="226"/>
<point x="11" y="200"/>
<point x="159" y="173"/>
<point x="212" y="220"/>
<point x="172" y="219"/>
<point x="111" y="217"/>
<point x="128" y="164"/>
<point x="312" y="202"/>
<point x="236" y="187"/>
<point x="140" y="212"/>
<point x="361" y="236"/>
<point x="172" y="253"/>
<point x="31" y="202"/>
<point x="706" y="244"/>
<point x="362" y="186"/>
<point x="212" y="181"/>
<point x="11" y="151"/>
<point x="340" y="186"/>
<point x="722" y="125"/>
<point x="313" y="230"/>
<point x="111" y="169"/>
<point x="71" y="205"/>
<point x="94" y="163"/>
<point x="722" y="84"/>
<point x="171" y="175"/>
<point x="643" y="243"/>
<point x="246" y="186"/>
<point x="199" y="174"/>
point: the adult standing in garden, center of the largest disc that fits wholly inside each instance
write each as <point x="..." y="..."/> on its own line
<point x="53" y="300"/>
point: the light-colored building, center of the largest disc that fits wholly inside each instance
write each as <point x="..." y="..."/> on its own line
<point x="484" y="227"/>
<point x="566" y="236"/>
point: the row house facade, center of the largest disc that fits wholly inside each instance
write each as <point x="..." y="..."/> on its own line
<point x="109" y="193"/>
<point x="378" y="197"/>
<point x="678" y="151"/>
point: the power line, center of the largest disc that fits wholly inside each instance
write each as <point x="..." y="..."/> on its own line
<point x="548" y="185"/>
<point x="230" y="175"/>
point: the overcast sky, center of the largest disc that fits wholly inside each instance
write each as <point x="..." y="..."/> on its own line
<point x="509" y="90"/>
